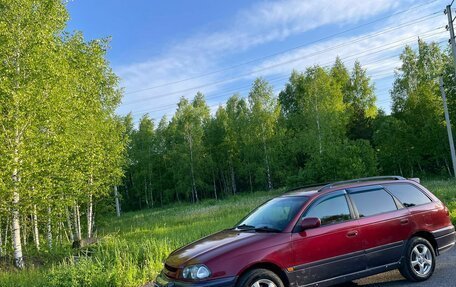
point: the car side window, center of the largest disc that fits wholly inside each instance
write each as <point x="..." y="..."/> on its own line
<point x="371" y="202"/>
<point x="332" y="209"/>
<point x="408" y="194"/>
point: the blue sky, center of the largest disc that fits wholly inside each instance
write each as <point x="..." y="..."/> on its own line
<point x="163" y="50"/>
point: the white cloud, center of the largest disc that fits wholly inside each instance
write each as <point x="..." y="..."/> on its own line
<point x="263" y="23"/>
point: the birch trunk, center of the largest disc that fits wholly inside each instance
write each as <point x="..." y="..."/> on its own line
<point x="7" y="227"/>
<point x="49" y="229"/>
<point x="223" y="181"/>
<point x="77" y="223"/>
<point x="16" y="233"/>
<point x="1" y="241"/>
<point x="320" y="145"/>
<point x="16" y="227"/>
<point x="61" y="232"/>
<point x="250" y="181"/>
<point x="36" y="235"/>
<point x="116" y="195"/>
<point x="93" y="225"/>
<point x="266" y="160"/>
<point x="89" y="217"/>
<point x="24" y="231"/>
<point x="70" y="226"/>
<point x="192" y="171"/>
<point x="151" y="194"/>
<point x="215" y="186"/>
<point x="233" y="178"/>
<point x="145" y="193"/>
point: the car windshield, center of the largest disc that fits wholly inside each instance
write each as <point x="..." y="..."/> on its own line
<point x="274" y="215"/>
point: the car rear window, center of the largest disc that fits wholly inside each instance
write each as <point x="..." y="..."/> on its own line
<point x="408" y="194"/>
<point x="371" y="202"/>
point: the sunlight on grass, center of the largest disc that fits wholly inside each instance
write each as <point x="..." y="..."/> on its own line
<point x="133" y="247"/>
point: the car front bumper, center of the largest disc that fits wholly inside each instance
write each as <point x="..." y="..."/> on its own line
<point x="163" y="281"/>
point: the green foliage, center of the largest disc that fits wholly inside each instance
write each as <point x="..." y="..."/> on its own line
<point x="61" y="143"/>
<point x="83" y="273"/>
<point x="413" y="139"/>
<point x="323" y="126"/>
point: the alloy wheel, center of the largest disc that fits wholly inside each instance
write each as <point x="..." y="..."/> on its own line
<point x="264" y="283"/>
<point x="420" y="260"/>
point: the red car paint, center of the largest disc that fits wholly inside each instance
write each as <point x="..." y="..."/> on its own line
<point x="322" y="254"/>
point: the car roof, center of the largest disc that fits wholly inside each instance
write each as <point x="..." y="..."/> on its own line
<point x="315" y="191"/>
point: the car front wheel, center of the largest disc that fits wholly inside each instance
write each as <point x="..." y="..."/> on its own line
<point x="419" y="261"/>
<point x="260" y="278"/>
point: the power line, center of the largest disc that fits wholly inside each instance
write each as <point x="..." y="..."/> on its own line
<point x="283" y="51"/>
<point x="183" y="91"/>
<point x="246" y="88"/>
<point x="281" y="63"/>
<point x="326" y="65"/>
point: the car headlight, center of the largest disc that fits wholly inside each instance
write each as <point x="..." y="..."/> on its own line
<point x="195" y="272"/>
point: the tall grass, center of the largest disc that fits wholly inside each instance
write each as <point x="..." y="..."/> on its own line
<point x="133" y="247"/>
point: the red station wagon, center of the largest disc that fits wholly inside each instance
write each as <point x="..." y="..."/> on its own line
<point x="321" y="236"/>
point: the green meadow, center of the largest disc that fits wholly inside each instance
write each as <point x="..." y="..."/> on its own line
<point x="131" y="249"/>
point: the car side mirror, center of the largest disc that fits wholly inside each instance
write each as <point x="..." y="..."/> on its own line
<point x="310" y="222"/>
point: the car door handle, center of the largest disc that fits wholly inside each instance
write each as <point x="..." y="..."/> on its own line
<point x="353" y="233"/>
<point x="404" y="221"/>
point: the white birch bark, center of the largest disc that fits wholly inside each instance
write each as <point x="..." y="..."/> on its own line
<point x="70" y="225"/>
<point x="145" y="193"/>
<point x="16" y="233"/>
<point x="16" y="227"/>
<point x="116" y="195"/>
<point x="49" y="229"/>
<point x="36" y="234"/>
<point x="266" y="159"/>
<point x="194" y="191"/>
<point x="1" y="241"/>
<point x="77" y="223"/>
<point x="89" y="217"/>
<point x="24" y="231"/>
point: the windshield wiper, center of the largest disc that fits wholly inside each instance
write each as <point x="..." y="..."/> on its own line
<point x="245" y="227"/>
<point x="259" y="229"/>
<point x="267" y="229"/>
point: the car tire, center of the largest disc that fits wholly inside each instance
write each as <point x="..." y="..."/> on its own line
<point x="419" y="260"/>
<point x="260" y="278"/>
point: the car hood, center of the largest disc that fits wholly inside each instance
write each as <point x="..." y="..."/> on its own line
<point x="215" y="245"/>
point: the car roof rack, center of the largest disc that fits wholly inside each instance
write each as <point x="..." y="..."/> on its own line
<point x="307" y="186"/>
<point x="364" y="179"/>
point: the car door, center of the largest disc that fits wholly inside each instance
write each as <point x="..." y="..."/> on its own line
<point x="334" y="248"/>
<point x="384" y="224"/>
<point x="423" y="211"/>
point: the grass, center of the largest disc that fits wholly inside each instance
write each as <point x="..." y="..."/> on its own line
<point x="132" y="248"/>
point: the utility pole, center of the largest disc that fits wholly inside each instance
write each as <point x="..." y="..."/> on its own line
<point x="442" y="90"/>
<point x="452" y="40"/>
<point x="448" y="124"/>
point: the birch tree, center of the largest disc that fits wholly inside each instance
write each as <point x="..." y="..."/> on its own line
<point x="263" y="117"/>
<point x="28" y="54"/>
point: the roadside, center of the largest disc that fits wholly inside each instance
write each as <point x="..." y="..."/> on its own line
<point x="443" y="275"/>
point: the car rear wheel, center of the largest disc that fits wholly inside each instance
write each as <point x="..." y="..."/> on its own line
<point x="260" y="278"/>
<point x="419" y="263"/>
